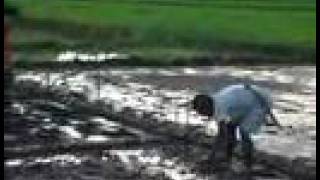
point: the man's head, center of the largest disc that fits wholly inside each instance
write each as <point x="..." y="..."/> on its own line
<point x="203" y="104"/>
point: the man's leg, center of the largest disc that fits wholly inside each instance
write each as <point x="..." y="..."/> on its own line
<point x="219" y="141"/>
<point x="213" y="161"/>
<point x="221" y="155"/>
<point x="231" y="141"/>
<point x="247" y="149"/>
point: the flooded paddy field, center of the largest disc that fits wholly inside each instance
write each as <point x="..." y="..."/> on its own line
<point x="119" y="123"/>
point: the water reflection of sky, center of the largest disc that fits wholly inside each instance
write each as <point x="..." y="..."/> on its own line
<point x="135" y="94"/>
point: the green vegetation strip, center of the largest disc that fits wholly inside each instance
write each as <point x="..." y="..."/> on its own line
<point x="274" y="27"/>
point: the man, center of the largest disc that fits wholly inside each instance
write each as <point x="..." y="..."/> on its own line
<point x="237" y="106"/>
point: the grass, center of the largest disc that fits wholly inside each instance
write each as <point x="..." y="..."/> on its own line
<point x="275" y="27"/>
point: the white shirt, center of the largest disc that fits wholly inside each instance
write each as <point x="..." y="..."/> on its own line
<point x="238" y="104"/>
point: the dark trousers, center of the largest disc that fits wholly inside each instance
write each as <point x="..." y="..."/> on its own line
<point x="227" y="140"/>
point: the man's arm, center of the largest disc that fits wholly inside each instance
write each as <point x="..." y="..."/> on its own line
<point x="263" y="103"/>
<point x="274" y="119"/>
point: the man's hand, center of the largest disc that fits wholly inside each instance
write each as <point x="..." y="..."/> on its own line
<point x="274" y="120"/>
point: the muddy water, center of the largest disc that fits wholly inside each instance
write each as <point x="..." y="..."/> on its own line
<point x="162" y="93"/>
<point x="293" y="88"/>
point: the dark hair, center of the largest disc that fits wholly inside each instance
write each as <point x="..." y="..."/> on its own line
<point x="203" y="104"/>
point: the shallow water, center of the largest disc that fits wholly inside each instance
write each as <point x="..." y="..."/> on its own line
<point x="162" y="93"/>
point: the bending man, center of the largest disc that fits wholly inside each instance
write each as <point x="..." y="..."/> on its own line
<point x="237" y="106"/>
